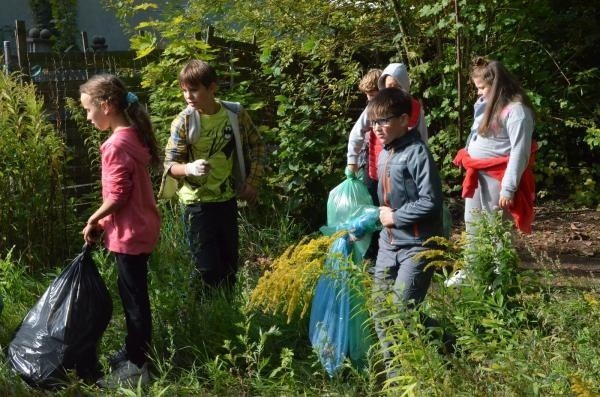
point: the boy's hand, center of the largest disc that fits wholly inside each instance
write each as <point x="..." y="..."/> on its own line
<point x="248" y="193"/>
<point x="386" y="216"/>
<point x="197" y="168"/>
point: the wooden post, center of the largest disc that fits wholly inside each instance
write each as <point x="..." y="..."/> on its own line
<point x="85" y="46"/>
<point x="21" y="36"/>
<point x="84" y="42"/>
<point x="6" y="49"/>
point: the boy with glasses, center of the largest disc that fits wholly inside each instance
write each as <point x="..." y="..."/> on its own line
<point x="410" y="195"/>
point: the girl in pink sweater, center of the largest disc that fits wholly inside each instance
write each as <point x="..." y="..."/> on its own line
<point x="128" y="214"/>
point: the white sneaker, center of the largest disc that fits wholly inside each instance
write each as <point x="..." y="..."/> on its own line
<point x="126" y="374"/>
<point x="457" y="279"/>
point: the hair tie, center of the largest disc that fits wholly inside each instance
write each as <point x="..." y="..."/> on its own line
<point x="131" y="98"/>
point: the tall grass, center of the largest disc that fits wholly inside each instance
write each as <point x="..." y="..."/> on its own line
<point x="34" y="214"/>
<point x="530" y="339"/>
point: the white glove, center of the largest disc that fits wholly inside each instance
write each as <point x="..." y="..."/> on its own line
<point x="197" y="168"/>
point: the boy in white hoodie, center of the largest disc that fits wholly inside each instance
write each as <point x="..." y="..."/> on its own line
<point x="361" y="135"/>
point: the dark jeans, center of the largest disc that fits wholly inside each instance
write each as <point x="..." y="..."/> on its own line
<point x="133" y="289"/>
<point x="372" y="188"/>
<point x="212" y="232"/>
<point x="374" y="246"/>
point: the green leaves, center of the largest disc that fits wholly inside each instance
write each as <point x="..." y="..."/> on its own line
<point x="143" y="45"/>
<point x="32" y="159"/>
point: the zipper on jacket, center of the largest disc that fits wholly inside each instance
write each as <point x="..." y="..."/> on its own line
<point x="416" y="230"/>
<point x="385" y="187"/>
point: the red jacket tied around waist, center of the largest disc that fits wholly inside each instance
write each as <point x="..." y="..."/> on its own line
<point x="522" y="208"/>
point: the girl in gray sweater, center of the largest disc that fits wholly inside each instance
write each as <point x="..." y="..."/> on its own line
<point x="498" y="154"/>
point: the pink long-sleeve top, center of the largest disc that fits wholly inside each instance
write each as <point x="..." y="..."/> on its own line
<point x="135" y="227"/>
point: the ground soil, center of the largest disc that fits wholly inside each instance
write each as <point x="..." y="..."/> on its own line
<point x="568" y="238"/>
<point x="567" y="241"/>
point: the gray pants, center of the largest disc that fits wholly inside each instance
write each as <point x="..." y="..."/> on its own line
<point x="401" y="274"/>
<point x="485" y="200"/>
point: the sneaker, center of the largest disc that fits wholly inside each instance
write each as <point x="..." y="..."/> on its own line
<point x="457" y="279"/>
<point x="127" y="374"/>
<point x="119" y="357"/>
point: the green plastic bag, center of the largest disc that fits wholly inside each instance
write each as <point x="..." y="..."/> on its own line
<point x="338" y="326"/>
<point x="348" y="201"/>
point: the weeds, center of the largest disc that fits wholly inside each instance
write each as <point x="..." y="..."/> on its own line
<point x="524" y="336"/>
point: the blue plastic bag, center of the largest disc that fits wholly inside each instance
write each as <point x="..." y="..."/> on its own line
<point x="338" y="319"/>
<point x="330" y="310"/>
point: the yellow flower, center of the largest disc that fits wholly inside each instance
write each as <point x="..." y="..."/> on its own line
<point x="580" y="389"/>
<point x="289" y="285"/>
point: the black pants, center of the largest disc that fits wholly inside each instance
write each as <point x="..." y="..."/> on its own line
<point x="133" y="289"/>
<point x="212" y="231"/>
<point x="374" y="246"/>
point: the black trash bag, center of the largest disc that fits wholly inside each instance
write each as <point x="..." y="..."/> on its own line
<point x="62" y="330"/>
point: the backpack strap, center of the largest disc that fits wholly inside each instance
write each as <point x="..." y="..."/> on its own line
<point x="233" y="110"/>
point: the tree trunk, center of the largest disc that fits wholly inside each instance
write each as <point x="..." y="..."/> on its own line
<point x="459" y="121"/>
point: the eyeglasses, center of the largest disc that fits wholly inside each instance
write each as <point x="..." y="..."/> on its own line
<point x="383" y="122"/>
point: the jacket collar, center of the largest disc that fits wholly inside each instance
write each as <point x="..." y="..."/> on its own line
<point x="404" y="140"/>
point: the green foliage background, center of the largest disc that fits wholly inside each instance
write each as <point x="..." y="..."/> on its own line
<point x="314" y="52"/>
<point x="302" y="94"/>
<point x="34" y="214"/>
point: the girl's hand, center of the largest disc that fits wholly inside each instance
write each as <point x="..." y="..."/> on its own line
<point x="505" y="203"/>
<point x="91" y="232"/>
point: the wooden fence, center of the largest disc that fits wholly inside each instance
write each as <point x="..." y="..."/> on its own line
<point x="58" y="77"/>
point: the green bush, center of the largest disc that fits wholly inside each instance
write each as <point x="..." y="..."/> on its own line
<point x="33" y="212"/>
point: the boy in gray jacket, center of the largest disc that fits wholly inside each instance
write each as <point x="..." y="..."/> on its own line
<point x="410" y="195"/>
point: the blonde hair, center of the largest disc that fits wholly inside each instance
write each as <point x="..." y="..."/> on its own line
<point x="369" y="81"/>
<point x="110" y="89"/>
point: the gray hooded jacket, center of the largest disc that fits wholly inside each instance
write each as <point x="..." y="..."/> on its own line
<point x="356" y="139"/>
<point x="410" y="184"/>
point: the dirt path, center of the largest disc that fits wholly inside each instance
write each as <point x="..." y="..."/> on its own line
<point x="567" y="241"/>
<point x="570" y="240"/>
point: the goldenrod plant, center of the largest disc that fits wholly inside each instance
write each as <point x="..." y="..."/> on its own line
<point x="288" y="287"/>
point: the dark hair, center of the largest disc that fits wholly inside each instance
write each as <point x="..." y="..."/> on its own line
<point x="389" y="101"/>
<point x="197" y="72"/>
<point x="110" y="89"/>
<point x="504" y="88"/>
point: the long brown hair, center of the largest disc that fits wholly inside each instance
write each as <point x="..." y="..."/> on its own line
<point x="504" y="89"/>
<point x="109" y="88"/>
